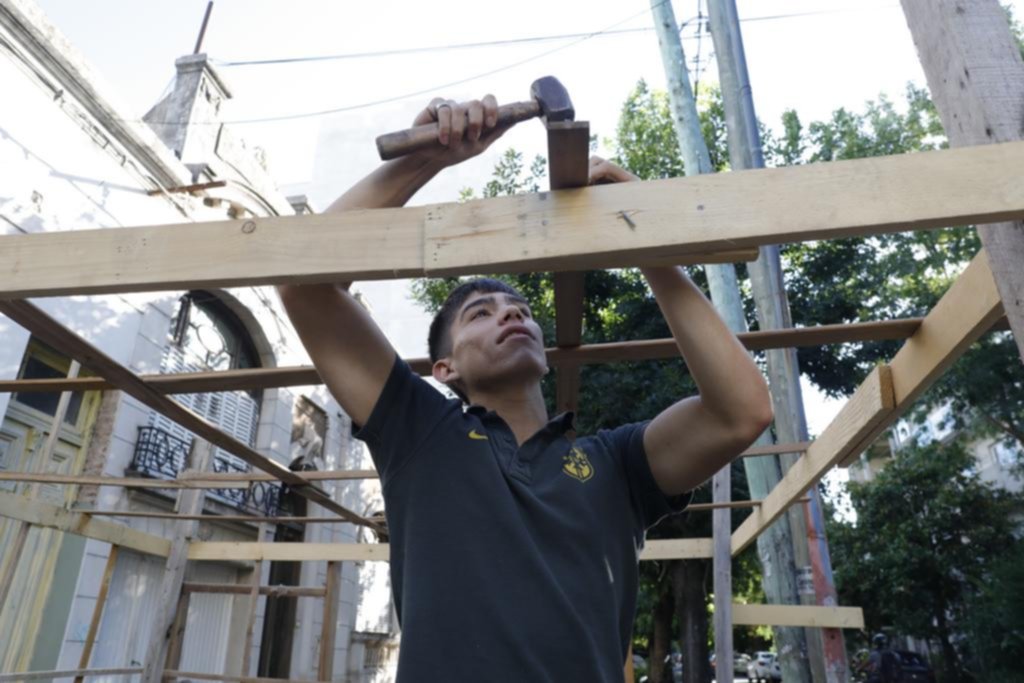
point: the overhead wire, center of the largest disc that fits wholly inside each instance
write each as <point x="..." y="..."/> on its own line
<point x="508" y="41"/>
<point x="577" y="39"/>
<point x="425" y="91"/>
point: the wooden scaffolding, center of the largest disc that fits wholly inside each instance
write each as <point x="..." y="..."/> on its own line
<point x="976" y="77"/>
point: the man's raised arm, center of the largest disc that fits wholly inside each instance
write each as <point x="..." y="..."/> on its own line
<point x="351" y="354"/>
<point x="694" y="438"/>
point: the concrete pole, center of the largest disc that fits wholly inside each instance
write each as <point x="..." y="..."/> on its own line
<point x="826" y="648"/>
<point x="774" y="546"/>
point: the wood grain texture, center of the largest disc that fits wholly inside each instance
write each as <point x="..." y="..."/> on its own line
<point x="976" y="77"/>
<point x="564" y="230"/>
<point x="968" y="308"/>
<point x="53" y="517"/>
<point x="869" y="405"/>
<point x="647" y="349"/>
<point x="341" y="552"/>
<point x="814" y="616"/>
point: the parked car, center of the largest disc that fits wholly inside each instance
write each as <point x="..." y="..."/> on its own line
<point x="914" y="668"/>
<point x="764" y="668"/>
<point x="740" y="664"/>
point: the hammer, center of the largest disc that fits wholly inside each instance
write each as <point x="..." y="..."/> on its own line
<point x="550" y="100"/>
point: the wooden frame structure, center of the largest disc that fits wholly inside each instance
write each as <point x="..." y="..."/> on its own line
<point x="711" y="218"/>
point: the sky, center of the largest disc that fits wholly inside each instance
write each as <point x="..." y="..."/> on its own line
<point x="813" y="56"/>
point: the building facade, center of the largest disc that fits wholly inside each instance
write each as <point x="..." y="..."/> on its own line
<point x="72" y="159"/>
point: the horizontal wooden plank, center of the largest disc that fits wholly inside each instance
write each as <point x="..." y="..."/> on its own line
<point x="333" y="552"/>
<point x="68" y="673"/>
<point x="575" y="229"/>
<point x="813" y="616"/>
<point x="572" y="229"/>
<point x="868" y="407"/>
<point x="676" y="549"/>
<point x="193" y="675"/>
<point x="246" y="589"/>
<point x="122" y="482"/>
<point x="287" y="552"/>
<point x="251" y="519"/>
<point x="52" y="517"/>
<point x="651" y="349"/>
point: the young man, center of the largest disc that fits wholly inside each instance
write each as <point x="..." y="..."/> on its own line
<point x="514" y="544"/>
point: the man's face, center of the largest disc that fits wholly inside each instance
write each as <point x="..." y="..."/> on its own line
<point x="495" y="342"/>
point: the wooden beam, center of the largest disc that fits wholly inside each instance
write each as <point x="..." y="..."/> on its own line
<point x="251" y="605"/>
<point x="659" y="549"/>
<point x="565" y="230"/>
<point x="568" y="163"/>
<point x="648" y="349"/>
<point x="869" y="405"/>
<point x="68" y="673"/>
<point x="813" y="616"/>
<point x="188" y="189"/>
<point x="252" y="519"/>
<point x="721" y="535"/>
<point x="97" y="612"/>
<point x="969" y="307"/>
<point x="242" y="589"/>
<point x="53" y="517"/>
<point x="193" y="675"/>
<point x="56" y="335"/>
<point x="976" y="77"/>
<point x="329" y="627"/>
<point x="190" y="502"/>
<point x="211" y="480"/>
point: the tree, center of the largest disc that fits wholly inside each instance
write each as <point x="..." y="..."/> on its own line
<point x="928" y="531"/>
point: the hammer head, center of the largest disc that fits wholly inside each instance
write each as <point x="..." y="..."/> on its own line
<point x="553" y="99"/>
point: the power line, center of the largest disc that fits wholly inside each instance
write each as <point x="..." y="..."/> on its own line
<point x="579" y="38"/>
<point x="513" y="41"/>
<point x="425" y="91"/>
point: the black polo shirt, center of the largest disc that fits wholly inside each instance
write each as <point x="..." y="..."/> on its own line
<point x="509" y="563"/>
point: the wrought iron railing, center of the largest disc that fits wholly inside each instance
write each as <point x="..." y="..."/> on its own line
<point x="161" y="455"/>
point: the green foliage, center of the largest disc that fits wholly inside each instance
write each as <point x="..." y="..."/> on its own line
<point x="645" y="141"/>
<point x="928" y="532"/>
<point x="995" y="620"/>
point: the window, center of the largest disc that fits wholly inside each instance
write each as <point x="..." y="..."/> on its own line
<point x="1005" y="455"/>
<point x="211" y="334"/>
<point x="42" y="362"/>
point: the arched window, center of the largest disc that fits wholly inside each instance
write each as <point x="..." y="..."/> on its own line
<point x="206" y="335"/>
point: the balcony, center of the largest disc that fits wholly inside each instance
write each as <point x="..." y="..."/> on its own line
<point x="161" y="455"/>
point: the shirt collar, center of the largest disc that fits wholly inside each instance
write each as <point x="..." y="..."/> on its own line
<point x="560" y="424"/>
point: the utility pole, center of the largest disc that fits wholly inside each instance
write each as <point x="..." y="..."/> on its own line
<point x="775" y="545"/>
<point x="826" y="647"/>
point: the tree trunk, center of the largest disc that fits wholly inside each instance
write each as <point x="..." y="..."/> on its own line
<point x="691" y="600"/>
<point x="661" y="636"/>
<point x="950" y="658"/>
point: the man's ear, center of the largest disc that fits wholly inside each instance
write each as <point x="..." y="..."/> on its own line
<point x="444" y="371"/>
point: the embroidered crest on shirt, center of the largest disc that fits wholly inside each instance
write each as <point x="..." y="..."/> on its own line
<point x="576" y="464"/>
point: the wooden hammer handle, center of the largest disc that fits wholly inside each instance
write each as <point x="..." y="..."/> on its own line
<point x="402" y="142"/>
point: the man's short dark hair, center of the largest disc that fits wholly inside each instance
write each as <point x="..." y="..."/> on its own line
<point x="439" y="340"/>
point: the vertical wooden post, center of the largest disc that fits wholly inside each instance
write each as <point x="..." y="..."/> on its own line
<point x="254" y="595"/>
<point x="190" y="502"/>
<point x="97" y="612"/>
<point x="976" y="77"/>
<point x="330" y="625"/>
<point x="177" y="635"/>
<point x="721" y="522"/>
